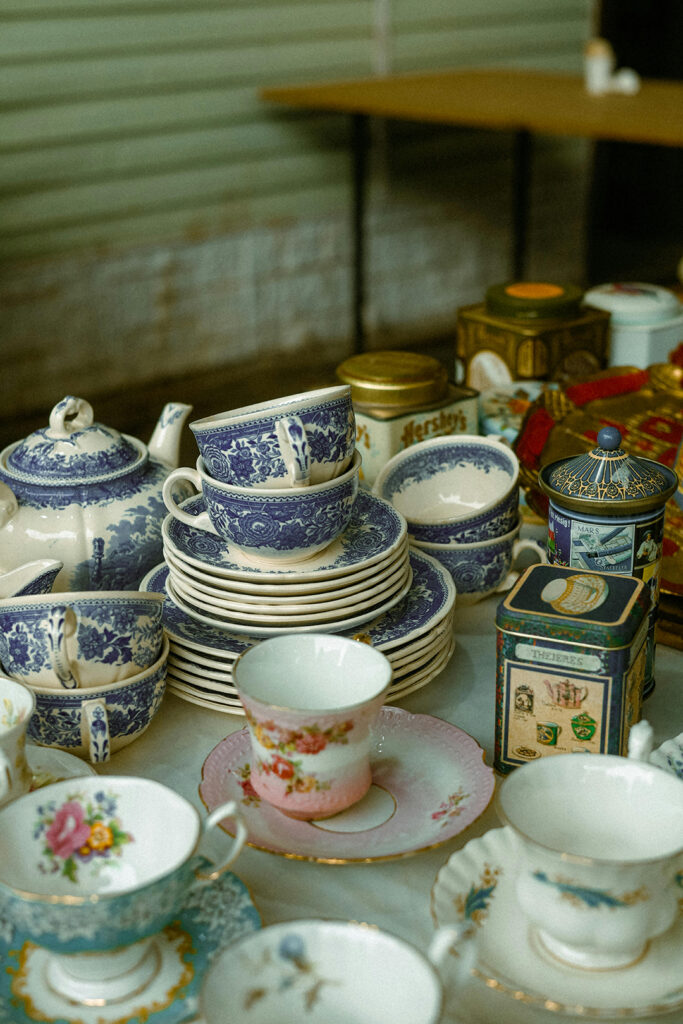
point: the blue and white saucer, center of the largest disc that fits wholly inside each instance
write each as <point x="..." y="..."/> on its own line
<point x="374" y="531"/>
<point x="430" y="598"/>
<point x="213" y="916"/>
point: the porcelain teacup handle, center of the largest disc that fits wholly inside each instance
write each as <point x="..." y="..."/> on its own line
<point x="457" y="942"/>
<point x="95" y="730"/>
<point x="520" y="545"/>
<point x="189" y="475"/>
<point x="57" y="625"/>
<point x="226" y="810"/>
<point x="294" y="449"/>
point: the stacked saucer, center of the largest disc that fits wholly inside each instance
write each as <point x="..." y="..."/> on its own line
<point x="361" y="575"/>
<point x="416" y="632"/>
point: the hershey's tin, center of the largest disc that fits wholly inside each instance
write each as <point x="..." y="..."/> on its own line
<point x="400" y="398"/>
<point x="571" y="651"/>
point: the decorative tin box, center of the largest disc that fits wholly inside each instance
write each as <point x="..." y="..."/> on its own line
<point x="606" y="513"/>
<point x="529" y="329"/>
<point x="570" y="663"/>
<point x="400" y="398"/>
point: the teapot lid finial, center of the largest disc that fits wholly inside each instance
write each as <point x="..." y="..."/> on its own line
<point x="73" y="449"/>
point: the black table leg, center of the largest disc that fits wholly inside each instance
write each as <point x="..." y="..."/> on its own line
<point x="359" y="132"/>
<point x="521" y="187"/>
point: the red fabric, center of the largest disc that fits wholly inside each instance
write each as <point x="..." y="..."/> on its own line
<point x="532" y="441"/>
<point x="589" y="390"/>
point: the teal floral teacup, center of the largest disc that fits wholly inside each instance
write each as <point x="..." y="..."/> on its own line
<point x="600" y="846"/>
<point x="91" y="869"/>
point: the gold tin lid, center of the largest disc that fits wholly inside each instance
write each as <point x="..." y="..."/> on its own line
<point x="404" y="380"/>
<point x="533" y="300"/>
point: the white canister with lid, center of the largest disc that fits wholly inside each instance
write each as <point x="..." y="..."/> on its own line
<point x="646" y="321"/>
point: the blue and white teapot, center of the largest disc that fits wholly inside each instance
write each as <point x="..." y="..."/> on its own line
<point x="84" y="494"/>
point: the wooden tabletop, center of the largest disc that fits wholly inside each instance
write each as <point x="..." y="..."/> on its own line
<point x="503" y="99"/>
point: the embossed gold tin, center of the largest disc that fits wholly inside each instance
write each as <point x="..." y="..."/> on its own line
<point x="606" y="513"/>
<point x="400" y="398"/>
<point x="571" y="656"/>
<point x="526" y="330"/>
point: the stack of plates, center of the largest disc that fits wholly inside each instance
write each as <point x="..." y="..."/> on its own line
<point x="368" y="582"/>
<point x="362" y="575"/>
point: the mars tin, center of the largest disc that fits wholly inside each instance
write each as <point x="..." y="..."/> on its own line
<point x="606" y="513"/>
<point x="570" y="662"/>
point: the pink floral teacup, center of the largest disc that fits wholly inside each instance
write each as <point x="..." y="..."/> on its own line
<point x="310" y="702"/>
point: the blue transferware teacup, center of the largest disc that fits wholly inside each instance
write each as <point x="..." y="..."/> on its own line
<point x="485" y="567"/>
<point x="459" y="489"/>
<point x="91" y="869"/>
<point x="95" y="722"/>
<point x="285" y="525"/>
<point x="80" y="639"/>
<point x="36" y="577"/>
<point x="303" y="439"/>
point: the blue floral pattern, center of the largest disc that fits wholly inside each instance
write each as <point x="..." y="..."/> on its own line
<point x="477" y="571"/>
<point x="110" y="631"/>
<point x="430" y="598"/>
<point x="211" y="917"/>
<point x="373" y="530"/>
<point x="248" y="452"/>
<point x="56" y="721"/>
<point x="427" y="462"/>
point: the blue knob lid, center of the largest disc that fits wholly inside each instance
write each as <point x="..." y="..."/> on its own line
<point x="609" y="439"/>
<point x="607" y="481"/>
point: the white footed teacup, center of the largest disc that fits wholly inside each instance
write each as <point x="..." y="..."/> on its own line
<point x="600" y="841"/>
<point x="310" y="702"/>
<point x="16" y="707"/>
<point x="325" y="972"/>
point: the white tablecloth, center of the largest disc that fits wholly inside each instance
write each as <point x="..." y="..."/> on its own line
<point x="394" y="894"/>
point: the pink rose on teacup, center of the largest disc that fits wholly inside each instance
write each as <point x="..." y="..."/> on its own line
<point x="69" y="831"/>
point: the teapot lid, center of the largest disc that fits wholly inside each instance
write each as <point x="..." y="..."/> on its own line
<point x="73" y="449"/>
<point x="606" y="481"/>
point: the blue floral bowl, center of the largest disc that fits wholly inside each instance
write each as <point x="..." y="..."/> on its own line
<point x="285" y="525"/>
<point x="85" y="639"/>
<point x="95" y="722"/>
<point x="485" y="567"/>
<point x="96" y="866"/>
<point x="459" y="489"/>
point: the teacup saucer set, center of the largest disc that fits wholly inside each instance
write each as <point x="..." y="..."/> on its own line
<point x="292" y="595"/>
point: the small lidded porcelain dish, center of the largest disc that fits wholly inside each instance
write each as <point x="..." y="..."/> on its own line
<point x="84" y="494"/>
<point x="646" y="321"/>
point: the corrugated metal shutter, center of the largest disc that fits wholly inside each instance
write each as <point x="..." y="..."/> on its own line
<point x="130" y="120"/>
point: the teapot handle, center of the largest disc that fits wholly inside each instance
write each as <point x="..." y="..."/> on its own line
<point x="70" y="415"/>
<point x="8" y="504"/>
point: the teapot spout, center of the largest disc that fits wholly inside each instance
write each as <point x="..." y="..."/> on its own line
<point x="164" y="445"/>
